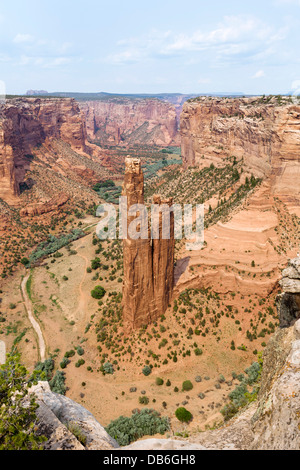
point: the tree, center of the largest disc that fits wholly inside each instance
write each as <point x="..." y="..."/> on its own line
<point x="187" y="386"/>
<point x="98" y="293"/>
<point x="183" y="415"/>
<point x="17" y="421"/>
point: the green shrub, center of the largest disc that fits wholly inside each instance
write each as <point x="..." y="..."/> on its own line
<point x="147" y="371"/>
<point x="57" y="384"/>
<point x="80" y="351"/>
<point x="43" y="371"/>
<point x="17" y="421"/>
<point x="108" y="368"/>
<point x="183" y="415"/>
<point x="144" y="423"/>
<point x="98" y="293"/>
<point x="187" y="386"/>
<point x="144" y="400"/>
<point x="159" y="381"/>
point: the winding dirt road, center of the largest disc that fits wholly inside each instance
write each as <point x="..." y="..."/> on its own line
<point x="35" y="324"/>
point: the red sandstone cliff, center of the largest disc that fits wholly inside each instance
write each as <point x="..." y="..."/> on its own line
<point x="130" y="122"/>
<point x="26" y="124"/>
<point x="148" y="265"/>
<point x="265" y="132"/>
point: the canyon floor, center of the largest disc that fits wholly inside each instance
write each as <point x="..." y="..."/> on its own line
<point x="221" y="317"/>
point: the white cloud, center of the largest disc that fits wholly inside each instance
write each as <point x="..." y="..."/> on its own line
<point x="236" y="39"/>
<point x="259" y="74"/>
<point x="23" y="38"/>
<point x="43" y="62"/>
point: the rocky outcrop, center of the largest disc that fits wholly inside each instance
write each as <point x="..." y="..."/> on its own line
<point x="265" y="132"/>
<point x="122" y="121"/>
<point x="289" y="301"/>
<point x="148" y="264"/>
<point x="50" y="206"/>
<point x="58" y="416"/>
<point x="28" y="123"/>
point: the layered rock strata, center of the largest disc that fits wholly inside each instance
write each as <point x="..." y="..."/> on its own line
<point x="28" y="123"/>
<point x="132" y="122"/>
<point x="148" y="264"/>
<point x="265" y="132"/>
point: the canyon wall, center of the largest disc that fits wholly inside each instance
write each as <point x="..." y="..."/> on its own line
<point x="121" y="121"/>
<point x="28" y="123"/>
<point x="148" y="264"/>
<point x="265" y="132"/>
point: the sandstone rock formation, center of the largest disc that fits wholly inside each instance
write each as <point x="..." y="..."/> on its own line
<point x="289" y="301"/>
<point x="122" y="121"/>
<point x="56" y="413"/>
<point x="148" y="264"/>
<point x="265" y="132"/>
<point x="27" y="123"/>
<point x="38" y="209"/>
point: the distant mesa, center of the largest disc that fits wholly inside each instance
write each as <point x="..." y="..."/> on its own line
<point x="36" y="92"/>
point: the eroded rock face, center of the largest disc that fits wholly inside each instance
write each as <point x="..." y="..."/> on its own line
<point x="148" y="264"/>
<point x="27" y="123"/>
<point x="264" y="132"/>
<point x="131" y="122"/>
<point x="56" y="412"/>
<point x="38" y="209"/>
<point x="288" y="303"/>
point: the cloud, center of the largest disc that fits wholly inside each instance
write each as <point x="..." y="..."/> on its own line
<point x="235" y="39"/>
<point x="259" y="74"/>
<point x="43" y="62"/>
<point x="23" y="38"/>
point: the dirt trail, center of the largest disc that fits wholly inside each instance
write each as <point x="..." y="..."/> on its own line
<point x="82" y="294"/>
<point x="33" y="321"/>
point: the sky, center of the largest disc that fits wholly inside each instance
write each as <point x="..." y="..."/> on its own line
<point x="160" y="46"/>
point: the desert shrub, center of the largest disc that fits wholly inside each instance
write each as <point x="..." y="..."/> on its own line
<point x="144" y="423"/>
<point x="147" y="371"/>
<point x="198" y="352"/>
<point x="187" y="386"/>
<point x="254" y="373"/>
<point x="64" y="363"/>
<point x="70" y="354"/>
<point x="183" y="415"/>
<point x="159" y="381"/>
<point x="198" y="379"/>
<point x="43" y="371"/>
<point x="57" y="384"/>
<point x="80" y="351"/>
<point x="53" y="244"/>
<point x="80" y="363"/>
<point x="98" y="293"/>
<point x="237" y="396"/>
<point x="108" y="368"/>
<point x="144" y="400"/>
<point x="75" y="429"/>
<point x="229" y="411"/>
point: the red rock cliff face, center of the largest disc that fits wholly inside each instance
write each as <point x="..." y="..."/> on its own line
<point x="264" y="132"/>
<point x="130" y="122"/>
<point x="26" y="124"/>
<point x="148" y="265"/>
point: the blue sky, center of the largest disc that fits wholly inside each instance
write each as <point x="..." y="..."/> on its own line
<point x="187" y="46"/>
